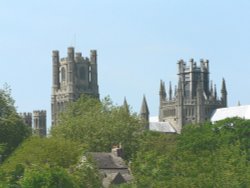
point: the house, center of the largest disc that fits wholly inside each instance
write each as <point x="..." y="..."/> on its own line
<point x="112" y="167"/>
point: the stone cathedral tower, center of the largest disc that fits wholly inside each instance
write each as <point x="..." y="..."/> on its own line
<point x="39" y="118"/>
<point x="27" y="118"/>
<point x="195" y="98"/>
<point x="72" y="76"/>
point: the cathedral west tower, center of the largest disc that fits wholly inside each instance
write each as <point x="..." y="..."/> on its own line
<point x="73" y="76"/>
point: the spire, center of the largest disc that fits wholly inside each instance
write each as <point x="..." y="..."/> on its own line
<point x="223" y="88"/>
<point x="211" y="90"/>
<point x="125" y="105"/>
<point x="170" y="91"/>
<point x="162" y="92"/>
<point x="144" y="106"/>
<point x="224" y="93"/>
<point x="215" y="92"/>
<point x="145" y="112"/>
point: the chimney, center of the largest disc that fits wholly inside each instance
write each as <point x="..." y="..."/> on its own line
<point x="117" y="151"/>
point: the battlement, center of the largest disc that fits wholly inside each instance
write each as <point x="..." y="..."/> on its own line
<point x="55" y="53"/>
<point x="77" y="56"/>
<point x="93" y="53"/>
<point x="183" y="67"/>
<point x="196" y="97"/>
<point x="71" y="49"/>
<point x="25" y="114"/>
<point x="39" y="113"/>
<point x="27" y="118"/>
<point x="72" y="75"/>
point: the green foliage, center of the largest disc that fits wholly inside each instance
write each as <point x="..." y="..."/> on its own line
<point x="12" y="133"/>
<point x="124" y="185"/>
<point x="100" y="125"/>
<point x="48" y="162"/>
<point x="47" y="177"/>
<point x="152" y="162"/>
<point x="12" y="129"/>
<point x="42" y="151"/>
<point x="236" y="130"/>
<point x="202" y="156"/>
<point x="198" y="138"/>
<point x="7" y="108"/>
<point x="86" y="175"/>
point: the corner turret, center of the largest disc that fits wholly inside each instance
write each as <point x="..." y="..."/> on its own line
<point x="93" y="56"/>
<point x="93" y="78"/>
<point x="55" y="62"/>
<point x="71" y="54"/>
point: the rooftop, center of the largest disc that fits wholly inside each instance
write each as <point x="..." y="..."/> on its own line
<point x="236" y="111"/>
<point x="108" y="161"/>
<point x="164" y="127"/>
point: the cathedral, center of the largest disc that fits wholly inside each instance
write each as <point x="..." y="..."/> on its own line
<point x="72" y="76"/>
<point x="194" y="99"/>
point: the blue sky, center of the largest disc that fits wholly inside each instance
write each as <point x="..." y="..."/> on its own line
<point x="138" y="41"/>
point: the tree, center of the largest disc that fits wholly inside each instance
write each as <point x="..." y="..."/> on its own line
<point x="48" y="162"/>
<point x="46" y="177"/>
<point x="45" y="151"/>
<point x="152" y="163"/>
<point x="99" y="125"/>
<point x="12" y="128"/>
<point x="206" y="155"/>
<point x="6" y="103"/>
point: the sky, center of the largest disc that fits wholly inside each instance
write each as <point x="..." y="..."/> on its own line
<point x="138" y="43"/>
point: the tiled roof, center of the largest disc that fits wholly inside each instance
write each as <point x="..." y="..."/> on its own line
<point x="108" y="161"/>
<point x="165" y="127"/>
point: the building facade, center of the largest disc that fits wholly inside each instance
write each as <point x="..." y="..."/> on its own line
<point x="194" y="99"/>
<point x="27" y="118"/>
<point x="73" y="76"/>
<point x="39" y="122"/>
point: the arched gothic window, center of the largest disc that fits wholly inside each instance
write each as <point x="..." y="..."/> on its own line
<point x="90" y="74"/>
<point x="63" y="76"/>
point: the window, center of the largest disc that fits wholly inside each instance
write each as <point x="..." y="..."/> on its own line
<point x="63" y="76"/>
<point x="90" y="71"/>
